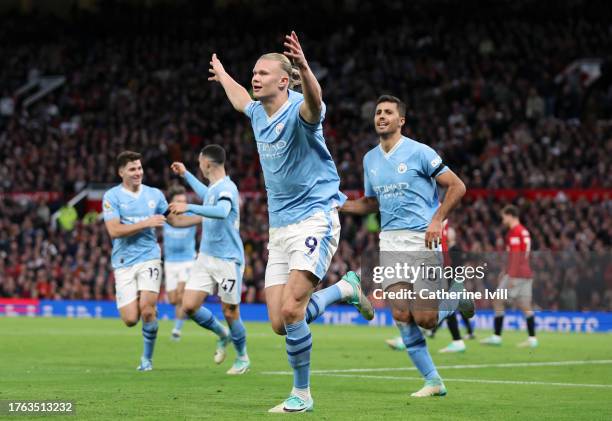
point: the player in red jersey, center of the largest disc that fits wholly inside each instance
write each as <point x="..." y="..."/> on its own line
<point x="517" y="279"/>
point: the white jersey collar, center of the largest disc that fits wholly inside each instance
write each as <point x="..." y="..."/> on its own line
<point x="217" y="182"/>
<point x="135" y="195"/>
<point x="387" y="155"/>
<point x="280" y="110"/>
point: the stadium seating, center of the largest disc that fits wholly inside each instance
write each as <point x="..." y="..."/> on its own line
<point x="502" y="115"/>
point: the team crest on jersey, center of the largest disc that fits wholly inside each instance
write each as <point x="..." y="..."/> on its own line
<point x="151" y="204"/>
<point x="402" y="168"/>
<point x="279" y="128"/>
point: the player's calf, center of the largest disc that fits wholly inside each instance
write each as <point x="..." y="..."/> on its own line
<point x="238" y="335"/>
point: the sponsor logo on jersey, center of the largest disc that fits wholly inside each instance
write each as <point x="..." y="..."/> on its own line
<point x="271" y="150"/>
<point x="435" y="162"/>
<point x="391" y="190"/>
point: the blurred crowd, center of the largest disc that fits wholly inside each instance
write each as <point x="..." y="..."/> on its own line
<point x="490" y="88"/>
<point x="571" y="242"/>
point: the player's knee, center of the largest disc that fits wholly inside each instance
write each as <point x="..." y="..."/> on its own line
<point x="172" y="299"/>
<point x="130" y="321"/>
<point x="426" y="320"/>
<point x="401" y="315"/>
<point x="147" y="313"/>
<point x="291" y="312"/>
<point x="279" y="328"/>
<point x="190" y="308"/>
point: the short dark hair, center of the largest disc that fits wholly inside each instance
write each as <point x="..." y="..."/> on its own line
<point x="401" y="107"/>
<point x="127" y="156"/>
<point x="215" y="153"/>
<point x="510" y="210"/>
<point x="175" y="191"/>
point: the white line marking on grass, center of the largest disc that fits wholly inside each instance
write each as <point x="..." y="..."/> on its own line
<point x="485" y="381"/>
<point x="453" y="367"/>
<point x="119" y="331"/>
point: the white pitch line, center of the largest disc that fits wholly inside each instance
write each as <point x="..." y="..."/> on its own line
<point x="485" y="381"/>
<point x="452" y="367"/>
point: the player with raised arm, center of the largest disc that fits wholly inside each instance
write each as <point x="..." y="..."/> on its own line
<point x="132" y="211"/>
<point x="179" y="255"/>
<point x="221" y="258"/>
<point x="517" y="279"/>
<point x="302" y="185"/>
<point x="400" y="177"/>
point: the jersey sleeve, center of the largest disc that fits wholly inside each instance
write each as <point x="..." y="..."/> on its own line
<point x="196" y="185"/>
<point x="225" y="195"/>
<point x="219" y="211"/>
<point x="162" y="204"/>
<point x="110" y="206"/>
<point x="431" y="163"/>
<point x="249" y="110"/>
<point x="311" y="126"/>
<point x="367" y="185"/>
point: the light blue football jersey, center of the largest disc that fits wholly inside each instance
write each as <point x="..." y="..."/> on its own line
<point x="403" y="181"/>
<point x="221" y="237"/>
<point x="131" y="208"/>
<point x="300" y="174"/>
<point x="179" y="243"/>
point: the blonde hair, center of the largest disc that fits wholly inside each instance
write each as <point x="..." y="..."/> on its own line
<point x="292" y="71"/>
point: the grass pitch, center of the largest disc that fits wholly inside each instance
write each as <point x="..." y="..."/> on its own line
<point x="356" y="377"/>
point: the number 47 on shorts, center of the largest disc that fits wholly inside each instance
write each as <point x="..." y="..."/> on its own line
<point x="227" y="285"/>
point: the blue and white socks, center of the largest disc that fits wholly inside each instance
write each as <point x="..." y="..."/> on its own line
<point x="417" y="350"/>
<point x="178" y="324"/>
<point x="299" y="345"/>
<point x="207" y="320"/>
<point x="320" y="300"/>
<point x="149" y="333"/>
<point x="238" y="333"/>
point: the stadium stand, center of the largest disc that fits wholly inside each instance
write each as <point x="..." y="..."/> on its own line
<point x="506" y="100"/>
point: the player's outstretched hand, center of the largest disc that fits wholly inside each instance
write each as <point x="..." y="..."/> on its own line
<point x="177" y="208"/>
<point x="156" y="221"/>
<point x="216" y="69"/>
<point x="433" y="234"/>
<point x="178" y="168"/>
<point x="293" y="50"/>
